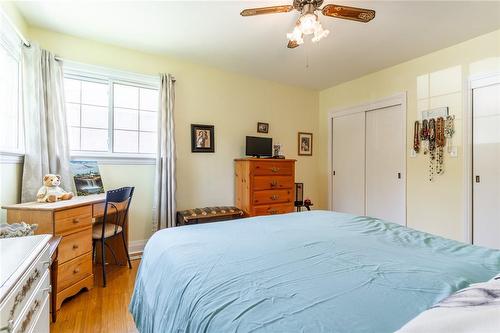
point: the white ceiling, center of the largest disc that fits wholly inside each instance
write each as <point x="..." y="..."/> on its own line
<point x="213" y="33"/>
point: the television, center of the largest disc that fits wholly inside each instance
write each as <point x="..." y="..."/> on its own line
<point x="257" y="146"/>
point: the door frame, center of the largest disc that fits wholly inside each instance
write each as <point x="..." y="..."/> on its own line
<point x="474" y="82"/>
<point x="398" y="99"/>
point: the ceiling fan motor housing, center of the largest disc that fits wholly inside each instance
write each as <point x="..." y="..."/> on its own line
<point x="308" y="5"/>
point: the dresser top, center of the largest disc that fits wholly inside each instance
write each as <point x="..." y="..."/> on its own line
<point x="263" y="159"/>
<point x="59" y="205"/>
<point x="17" y="254"/>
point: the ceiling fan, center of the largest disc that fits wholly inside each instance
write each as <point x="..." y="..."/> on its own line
<point x="308" y="22"/>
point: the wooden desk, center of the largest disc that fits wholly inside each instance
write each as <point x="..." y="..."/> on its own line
<point x="71" y="219"/>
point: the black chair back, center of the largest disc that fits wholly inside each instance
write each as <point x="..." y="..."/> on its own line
<point x="117" y="203"/>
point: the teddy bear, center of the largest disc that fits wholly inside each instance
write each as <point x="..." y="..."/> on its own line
<point x="50" y="191"/>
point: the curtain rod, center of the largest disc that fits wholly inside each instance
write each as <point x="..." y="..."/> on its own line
<point x="16" y="30"/>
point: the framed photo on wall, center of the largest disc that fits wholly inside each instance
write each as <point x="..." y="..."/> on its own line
<point x="305" y="144"/>
<point x="202" y="138"/>
<point x="262" y="127"/>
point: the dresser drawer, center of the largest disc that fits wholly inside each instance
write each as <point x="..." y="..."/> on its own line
<point x="272" y="168"/>
<point x="31" y="315"/>
<point x="42" y="323"/>
<point x="74" y="245"/>
<point x="74" y="271"/>
<point x="72" y="219"/>
<point x="272" y="182"/>
<point x="272" y="196"/>
<point x="272" y="209"/>
<point x="18" y="298"/>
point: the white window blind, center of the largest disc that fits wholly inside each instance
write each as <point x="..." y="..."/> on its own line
<point x="11" y="132"/>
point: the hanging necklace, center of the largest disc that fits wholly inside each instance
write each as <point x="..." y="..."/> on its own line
<point x="424" y="136"/>
<point x="449" y="130"/>
<point x="432" y="147"/>
<point x="440" y="143"/>
<point x="416" y="136"/>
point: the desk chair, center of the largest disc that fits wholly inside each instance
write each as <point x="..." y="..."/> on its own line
<point x="113" y="223"/>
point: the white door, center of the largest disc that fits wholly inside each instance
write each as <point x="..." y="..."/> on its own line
<point x="385" y="144"/>
<point x="486" y="166"/>
<point x="348" y="160"/>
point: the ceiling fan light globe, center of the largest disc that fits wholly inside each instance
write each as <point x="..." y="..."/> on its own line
<point x="307" y="23"/>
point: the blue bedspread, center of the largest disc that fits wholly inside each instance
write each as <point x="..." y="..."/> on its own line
<point x="302" y="272"/>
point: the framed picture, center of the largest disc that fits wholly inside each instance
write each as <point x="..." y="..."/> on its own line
<point x="87" y="177"/>
<point x="262" y="127"/>
<point x="305" y="144"/>
<point x="202" y="138"/>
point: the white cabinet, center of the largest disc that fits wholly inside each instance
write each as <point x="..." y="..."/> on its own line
<point x="486" y="165"/>
<point x="24" y="284"/>
<point x="368" y="163"/>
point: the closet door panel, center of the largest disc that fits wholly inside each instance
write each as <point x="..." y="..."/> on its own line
<point x="385" y="194"/>
<point x="486" y="166"/>
<point x="348" y="145"/>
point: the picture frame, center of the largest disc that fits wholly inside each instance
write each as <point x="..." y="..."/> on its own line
<point x="262" y="127"/>
<point x="305" y="144"/>
<point x="87" y="177"/>
<point x="202" y="138"/>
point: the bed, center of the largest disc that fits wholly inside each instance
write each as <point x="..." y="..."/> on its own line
<point x="315" y="271"/>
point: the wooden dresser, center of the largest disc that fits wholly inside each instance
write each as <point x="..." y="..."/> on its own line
<point x="265" y="186"/>
<point x="25" y="284"/>
<point x="71" y="219"/>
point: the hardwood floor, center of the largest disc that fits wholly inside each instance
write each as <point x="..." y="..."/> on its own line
<point x="100" y="309"/>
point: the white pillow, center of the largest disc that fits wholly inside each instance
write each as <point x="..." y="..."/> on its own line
<point x="473" y="309"/>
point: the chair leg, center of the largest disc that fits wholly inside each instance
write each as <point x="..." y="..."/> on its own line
<point x="103" y="263"/>
<point x="126" y="250"/>
<point x="112" y="252"/>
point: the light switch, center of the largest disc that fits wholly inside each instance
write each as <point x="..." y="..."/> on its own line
<point x="453" y="152"/>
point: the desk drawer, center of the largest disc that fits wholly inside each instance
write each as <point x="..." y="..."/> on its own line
<point x="272" y="209"/>
<point x="74" y="271"/>
<point x="18" y="298"/>
<point x="74" y="245"/>
<point x="31" y="314"/>
<point x="272" y="196"/>
<point x="72" y="219"/>
<point x="272" y="168"/>
<point x="272" y="182"/>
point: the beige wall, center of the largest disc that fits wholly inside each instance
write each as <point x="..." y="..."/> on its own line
<point x="437" y="79"/>
<point x="233" y="103"/>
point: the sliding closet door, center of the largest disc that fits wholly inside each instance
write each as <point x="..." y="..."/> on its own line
<point x="486" y="166"/>
<point x="348" y="157"/>
<point x="385" y="190"/>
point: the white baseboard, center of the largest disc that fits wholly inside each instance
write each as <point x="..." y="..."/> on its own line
<point x="136" y="247"/>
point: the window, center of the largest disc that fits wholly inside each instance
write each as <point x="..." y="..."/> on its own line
<point x="110" y="116"/>
<point x="11" y="134"/>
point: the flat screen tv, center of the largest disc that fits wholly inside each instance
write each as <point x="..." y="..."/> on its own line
<point x="256" y="146"/>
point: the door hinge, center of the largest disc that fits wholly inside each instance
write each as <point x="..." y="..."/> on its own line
<point x="478" y="179"/>
<point x="334" y="172"/>
<point x="399" y="175"/>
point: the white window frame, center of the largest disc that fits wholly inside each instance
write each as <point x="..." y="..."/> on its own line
<point x="79" y="71"/>
<point x="10" y="42"/>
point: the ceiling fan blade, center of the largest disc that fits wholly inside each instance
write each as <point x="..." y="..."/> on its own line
<point x="349" y="13"/>
<point x="292" y="44"/>
<point x="266" y="10"/>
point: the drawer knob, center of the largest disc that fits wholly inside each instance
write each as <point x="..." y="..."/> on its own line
<point x="275" y="169"/>
<point x="76" y="220"/>
<point x="76" y="270"/>
<point x="274" y="183"/>
<point x="75" y="246"/>
<point x="274" y="197"/>
<point x="272" y="211"/>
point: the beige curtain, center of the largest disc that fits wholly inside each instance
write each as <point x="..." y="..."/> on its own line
<point x="164" y="208"/>
<point x="46" y="135"/>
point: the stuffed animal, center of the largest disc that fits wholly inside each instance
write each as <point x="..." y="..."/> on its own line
<point x="50" y="191"/>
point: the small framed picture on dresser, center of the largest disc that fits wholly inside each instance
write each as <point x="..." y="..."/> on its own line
<point x="305" y="143"/>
